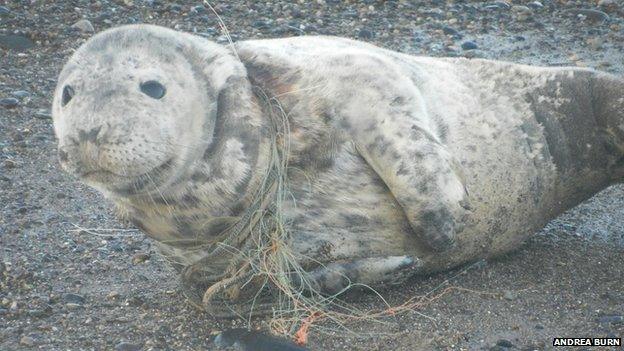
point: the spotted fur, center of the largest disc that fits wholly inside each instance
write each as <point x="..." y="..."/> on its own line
<point x="398" y="164"/>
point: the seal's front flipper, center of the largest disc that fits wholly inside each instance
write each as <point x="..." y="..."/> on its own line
<point x="423" y="178"/>
<point x="337" y="277"/>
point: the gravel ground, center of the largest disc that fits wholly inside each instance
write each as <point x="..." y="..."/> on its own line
<point x="67" y="289"/>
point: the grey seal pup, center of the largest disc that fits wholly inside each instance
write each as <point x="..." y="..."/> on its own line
<point x="397" y="164"/>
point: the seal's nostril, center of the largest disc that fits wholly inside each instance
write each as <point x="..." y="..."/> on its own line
<point x="63" y="157"/>
<point x="91" y="135"/>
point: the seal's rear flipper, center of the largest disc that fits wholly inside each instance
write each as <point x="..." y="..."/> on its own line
<point x="608" y="103"/>
<point x="337" y="277"/>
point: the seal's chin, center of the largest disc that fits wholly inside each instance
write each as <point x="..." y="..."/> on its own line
<point x="128" y="184"/>
<point x="99" y="176"/>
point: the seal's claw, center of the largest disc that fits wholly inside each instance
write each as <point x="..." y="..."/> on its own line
<point x="438" y="229"/>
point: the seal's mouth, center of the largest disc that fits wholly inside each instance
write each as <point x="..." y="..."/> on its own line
<point x="129" y="184"/>
<point x="98" y="175"/>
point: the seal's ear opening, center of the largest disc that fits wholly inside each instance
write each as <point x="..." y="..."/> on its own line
<point x="153" y="89"/>
<point x="68" y="94"/>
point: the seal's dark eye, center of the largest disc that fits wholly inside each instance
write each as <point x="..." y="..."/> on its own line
<point x="68" y="94"/>
<point x="153" y="89"/>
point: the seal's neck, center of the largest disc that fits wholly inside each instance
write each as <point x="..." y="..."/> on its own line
<point x="219" y="185"/>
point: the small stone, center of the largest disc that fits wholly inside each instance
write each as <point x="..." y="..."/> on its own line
<point x="9" y="102"/>
<point x="112" y="295"/>
<point x="27" y="341"/>
<point x="473" y="54"/>
<point x="37" y="312"/>
<point x="84" y="25"/>
<point x="614" y="319"/>
<point x="350" y="14"/>
<point x="521" y="9"/>
<point x="601" y="3"/>
<point x="73" y="306"/>
<point x="15" y="42"/>
<point x="73" y="298"/>
<point x="522" y="12"/>
<point x="9" y="164"/>
<point x="42" y="114"/>
<point x="504" y="343"/>
<point x="590" y="14"/>
<point x="20" y="94"/>
<point x="365" y="33"/>
<point x="451" y="31"/>
<point x="14" y="306"/>
<point x="594" y="43"/>
<point x="509" y="295"/>
<point x="126" y="346"/>
<point x="498" y="5"/>
<point x="140" y="257"/>
<point x="469" y="45"/>
<point x="135" y="301"/>
<point x="175" y="8"/>
<point x="535" y="5"/>
<point x="198" y="9"/>
<point x="4" y="11"/>
<point x="260" y="24"/>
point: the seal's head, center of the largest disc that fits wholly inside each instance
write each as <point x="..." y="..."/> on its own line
<point x="136" y="105"/>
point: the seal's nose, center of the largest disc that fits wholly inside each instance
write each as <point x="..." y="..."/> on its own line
<point x="62" y="155"/>
<point x="90" y="135"/>
<point x="81" y="153"/>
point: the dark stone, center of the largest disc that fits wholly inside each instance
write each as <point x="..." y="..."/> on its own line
<point x="592" y="15"/>
<point x="20" y="94"/>
<point x="73" y="298"/>
<point x="435" y="13"/>
<point x="260" y="24"/>
<point x="42" y="114"/>
<point x="365" y="33"/>
<point x="535" y="5"/>
<point x="9" y="102"/>
<point x="126" y="346"/>
<point x="450" y="31"/>
<point x="504" y="343"/>
<point x="614" y="319"/>
<point x="469" y="45"/>
<point x="175" y="8"/>
<point x="198" y="9"/>
<point x="350" y="14"/>
<point x="254" y="340"/>
<point x="116" y="246"/>
<point x="135" y="301"/>
<point x="497" y="5"/>
<point x="15" y="42"/>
